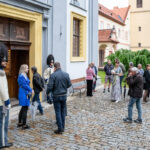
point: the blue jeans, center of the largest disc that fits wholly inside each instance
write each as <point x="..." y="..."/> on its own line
<point x="138" y="106"/>
<point x="37" y="99"/>
<point x="121" y="79"/>
<point x="60" y="111"/>
<point x="4" y="119"/>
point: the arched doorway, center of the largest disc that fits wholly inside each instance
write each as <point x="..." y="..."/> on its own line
<point x="102" y="55"/>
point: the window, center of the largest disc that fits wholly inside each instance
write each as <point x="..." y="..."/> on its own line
<point x="139" y="28"/>
<point x="78" y="37"/>
<point x="126" y="35"/>
<point x="139" y="3"/>
<point x="119" y="34"/>
<point x="139" y="44"/>
<point x="108" y="26"/>
<point x="102" y="25"/>
<point x="122" y="34"/>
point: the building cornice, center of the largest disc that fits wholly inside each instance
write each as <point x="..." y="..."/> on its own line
<point x="141" y="11"/>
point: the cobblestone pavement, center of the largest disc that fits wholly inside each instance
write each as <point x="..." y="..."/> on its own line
<point x="92" y="124"/>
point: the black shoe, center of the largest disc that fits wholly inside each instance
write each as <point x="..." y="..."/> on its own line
<point x="7" y="146"/>
<point x="138" y="121"/>
<point x="58" y="131"/>
<point x="24" y="127"/>
<point x="127" y="120"/>
<point x="104" y="91"/>
<point x="113" y="100"/>
<point x="108" y="90"/>
<point x="19" y="125"/>
<point x="41" y="113"/>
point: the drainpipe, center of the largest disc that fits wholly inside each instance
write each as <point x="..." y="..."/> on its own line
<point x="52" y="26"/>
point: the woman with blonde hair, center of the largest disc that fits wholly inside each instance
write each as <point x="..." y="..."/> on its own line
<point x="89" y="79"/>
<point x="25" y="92"/>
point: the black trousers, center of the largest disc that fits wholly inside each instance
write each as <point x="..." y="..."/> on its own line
<point x="89" y="87"/>
<point x="23" y="115"/>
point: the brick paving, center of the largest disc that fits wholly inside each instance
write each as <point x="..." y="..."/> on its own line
<point x="92" y="124"/>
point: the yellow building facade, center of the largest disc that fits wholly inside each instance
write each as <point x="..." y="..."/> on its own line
<point x="35" y="39"/>
<point x="140" y="24"/>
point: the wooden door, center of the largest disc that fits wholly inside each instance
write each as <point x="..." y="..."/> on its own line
<point x="101" y="58"/>
<point x="17" y="58"/>
<point x="15" y="34"/>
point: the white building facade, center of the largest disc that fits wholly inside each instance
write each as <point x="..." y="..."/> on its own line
<point x="117" y="20"/>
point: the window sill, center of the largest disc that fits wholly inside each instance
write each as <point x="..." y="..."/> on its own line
<point x="78" y="59"/>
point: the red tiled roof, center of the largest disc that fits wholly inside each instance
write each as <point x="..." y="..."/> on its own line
<point x="105" y="36"/>
<point x="114" y="14"/>
<point x="122" y="12"/>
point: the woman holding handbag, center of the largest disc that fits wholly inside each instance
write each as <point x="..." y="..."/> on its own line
<point x="89" y="79"/>
<point x="25" y="92"/>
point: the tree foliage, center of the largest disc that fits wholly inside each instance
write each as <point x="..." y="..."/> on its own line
<point x="127" y="56"/>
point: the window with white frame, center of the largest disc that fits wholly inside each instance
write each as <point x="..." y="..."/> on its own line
<point x="108" y="26"/>
<point x="102" y="25"/>
<point x="119" y="33"/>
<point x="126" y="35"/>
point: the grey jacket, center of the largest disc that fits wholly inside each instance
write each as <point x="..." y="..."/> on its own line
<point x="59" y="82"/>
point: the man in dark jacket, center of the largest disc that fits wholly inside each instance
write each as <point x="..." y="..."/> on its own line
<point x="38" y="86"/>
<point x="58" y="84"/>
<point x="108" y="68"/>
<point x="135" y="82"/>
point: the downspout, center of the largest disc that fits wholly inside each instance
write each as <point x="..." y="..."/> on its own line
<point x="92" y="35"/>
<point x="52" y="26"/>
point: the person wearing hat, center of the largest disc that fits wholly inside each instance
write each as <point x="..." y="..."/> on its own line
<point x="135" y="82"/>
<point x="4" y="99"/>
<point x="48" y="71"/>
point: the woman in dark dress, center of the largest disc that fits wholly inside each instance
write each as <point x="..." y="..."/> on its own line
<point x="146" y="83"/>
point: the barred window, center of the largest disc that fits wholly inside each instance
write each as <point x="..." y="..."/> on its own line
<point x="76" y="37"/>
<point x="139" y="3"/>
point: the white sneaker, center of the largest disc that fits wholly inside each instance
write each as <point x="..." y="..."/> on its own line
<point x="116" y="101"/>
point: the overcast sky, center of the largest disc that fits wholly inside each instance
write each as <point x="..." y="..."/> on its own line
<point x="111" y="3"/>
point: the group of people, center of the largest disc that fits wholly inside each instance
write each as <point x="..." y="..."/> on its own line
<point x="55" y="84"/>
<point x="137" y="80"/>
<point x="56" y="81"/>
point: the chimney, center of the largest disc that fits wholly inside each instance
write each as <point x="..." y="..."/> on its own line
<point x="116" y="7"/>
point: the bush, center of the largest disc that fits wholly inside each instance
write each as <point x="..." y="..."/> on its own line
<point x="127" y="56"/>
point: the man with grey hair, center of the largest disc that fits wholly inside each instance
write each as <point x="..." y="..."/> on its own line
<point x="141" y="71"/>
<point x="135" y="82"/>
<point x="58" y="84"/>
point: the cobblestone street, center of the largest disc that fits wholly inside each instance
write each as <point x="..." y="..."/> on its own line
<point x="92" y="124"/>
